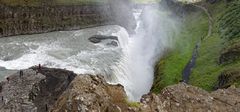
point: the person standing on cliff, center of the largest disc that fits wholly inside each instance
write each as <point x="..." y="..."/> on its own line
<point x="21" y="73"/>
<point x="39" y="69"/>
<point x="8" y="79"/>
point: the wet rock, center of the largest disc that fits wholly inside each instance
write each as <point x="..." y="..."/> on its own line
<point x="99" y="38"/>
<point x="113" y="43"/>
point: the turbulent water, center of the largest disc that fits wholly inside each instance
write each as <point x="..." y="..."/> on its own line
<point x="130" y="63"/>
<point x="68" y="50"/>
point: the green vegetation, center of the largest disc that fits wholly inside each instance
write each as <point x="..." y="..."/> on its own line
<point x="131" y="103"/>
<point x="207" y="69"/>
<point x="169" y="70"/>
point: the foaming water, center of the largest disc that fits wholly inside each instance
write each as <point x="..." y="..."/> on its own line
<point x="67" y="50"/>
<point x="130" y="64"/>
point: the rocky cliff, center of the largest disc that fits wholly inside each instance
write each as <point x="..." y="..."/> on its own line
<point x="59" y="90"/>
<point x="33" y="90"/>
<point x="18" y="20"/>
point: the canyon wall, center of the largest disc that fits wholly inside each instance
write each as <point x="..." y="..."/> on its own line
<point x="18" y="20"/>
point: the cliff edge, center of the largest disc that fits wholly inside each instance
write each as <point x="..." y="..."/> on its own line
<point x="59" y="90"/>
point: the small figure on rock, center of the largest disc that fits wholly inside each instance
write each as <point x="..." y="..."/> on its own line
<point x="69" y="78"/>
<point x="21" y="73"/>
<point x="46" y="106"/>
<point x="8" y="79"/>
<point x="39" y="67"/>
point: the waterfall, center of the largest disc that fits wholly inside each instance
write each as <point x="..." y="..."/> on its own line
<point x="131" y="63"/>
<point x="154" y="34"/>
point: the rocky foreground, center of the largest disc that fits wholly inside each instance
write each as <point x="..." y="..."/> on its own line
<point x="56" y="90"/>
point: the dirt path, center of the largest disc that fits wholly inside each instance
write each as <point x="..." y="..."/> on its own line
<point x="188" y="68"/>
<point x="210" y="20"/>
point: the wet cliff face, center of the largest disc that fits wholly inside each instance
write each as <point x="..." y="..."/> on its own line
<point x="17" y="20"/>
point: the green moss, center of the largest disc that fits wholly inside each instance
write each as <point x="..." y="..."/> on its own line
<point x="132" y="104"/>
<point x="207" y="69"/>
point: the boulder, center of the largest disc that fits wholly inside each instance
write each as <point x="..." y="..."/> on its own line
<point x="99" y="38"/>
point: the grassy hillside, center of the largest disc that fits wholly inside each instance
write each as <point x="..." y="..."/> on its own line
<point x="169" y="69"/>
<point x="208" y="69"/>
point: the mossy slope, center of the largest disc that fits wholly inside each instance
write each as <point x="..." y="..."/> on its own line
<point x="208" y="68"/>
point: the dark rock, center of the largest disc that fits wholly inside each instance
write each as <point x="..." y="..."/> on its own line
<point x="230" y="54"/>
<point x="32" y="92"/>
<point x="113" y="43"/>
<point x="228" y="78"/>
<point x="99" y="38"/>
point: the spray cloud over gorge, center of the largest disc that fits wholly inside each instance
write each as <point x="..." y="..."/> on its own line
<point x="153" y="35"/>
<point x="131" y="63"/>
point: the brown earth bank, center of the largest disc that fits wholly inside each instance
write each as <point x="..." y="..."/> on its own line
<point x="57" y="90"/>
<point x="18" y="20"/>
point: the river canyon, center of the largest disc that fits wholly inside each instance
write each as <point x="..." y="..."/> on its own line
<point x="107" y="61"/>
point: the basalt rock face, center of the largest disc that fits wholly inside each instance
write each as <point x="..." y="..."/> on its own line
<point x="17" y="20"/>
<point x="34" y="92"/>
<point x="28" y="20"/>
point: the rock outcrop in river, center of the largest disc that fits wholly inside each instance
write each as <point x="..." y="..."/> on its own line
<point x="57" y="90"/>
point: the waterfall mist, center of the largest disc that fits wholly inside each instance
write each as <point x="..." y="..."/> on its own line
<point x="154" y="34"/>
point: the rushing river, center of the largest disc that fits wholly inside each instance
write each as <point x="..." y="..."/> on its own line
<point x="130" y="63"/>
<point x="67" y="50"/>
